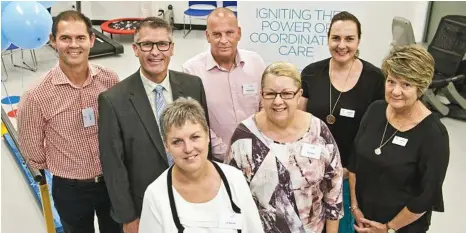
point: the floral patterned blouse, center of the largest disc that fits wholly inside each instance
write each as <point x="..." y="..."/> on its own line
<point x="297" y="186"/>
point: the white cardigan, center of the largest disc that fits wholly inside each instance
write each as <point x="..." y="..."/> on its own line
<point x="156" y="216"/>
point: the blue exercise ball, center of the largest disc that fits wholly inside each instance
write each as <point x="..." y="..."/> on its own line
<point x="5" y="42"/>
<point x="4" y="3"/>
<point x="26" y="24"/>
<point x="47" y="4"/>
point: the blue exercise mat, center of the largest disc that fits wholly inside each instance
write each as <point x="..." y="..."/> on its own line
<point x="34" y="185"/>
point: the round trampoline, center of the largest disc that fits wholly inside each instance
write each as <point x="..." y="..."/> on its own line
<point x="122" y="26"/>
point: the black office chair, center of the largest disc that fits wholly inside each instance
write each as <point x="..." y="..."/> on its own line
<point x="461" y="87"/>
<point x="448" y="49"/>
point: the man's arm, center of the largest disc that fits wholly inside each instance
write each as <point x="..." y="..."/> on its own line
<point x="31" y="134"/>
<point x="113" y="166"/>
<point x="219" y="148"/>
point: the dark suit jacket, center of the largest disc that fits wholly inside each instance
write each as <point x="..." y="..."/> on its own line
<point x="131" y="148"/>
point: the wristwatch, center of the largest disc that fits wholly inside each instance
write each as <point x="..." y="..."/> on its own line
<point x="390" y="230"/>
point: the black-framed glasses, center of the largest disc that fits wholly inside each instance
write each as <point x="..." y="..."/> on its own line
<point x="147" y="46"/>
<point x="286" y="95"/>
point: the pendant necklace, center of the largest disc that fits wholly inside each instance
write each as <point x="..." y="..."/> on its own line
<point x="378" y="150"/>
<point x="330" y="117"/>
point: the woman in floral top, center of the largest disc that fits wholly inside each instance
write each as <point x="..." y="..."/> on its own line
<point x="289" y="159"/>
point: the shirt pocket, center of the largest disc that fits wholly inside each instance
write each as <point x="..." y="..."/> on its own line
<point x="250" y="103"/>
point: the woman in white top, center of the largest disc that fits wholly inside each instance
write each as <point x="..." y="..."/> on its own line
<point x="195" y="194"/>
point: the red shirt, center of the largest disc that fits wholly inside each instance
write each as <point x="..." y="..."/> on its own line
<point x="51" y="127"/>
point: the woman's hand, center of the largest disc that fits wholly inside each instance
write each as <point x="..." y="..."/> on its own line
<point x="371" y="227"/>
<point x="358" y="215"/>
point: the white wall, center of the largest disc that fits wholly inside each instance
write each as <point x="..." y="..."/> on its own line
<point x="106" y="10"/>
<point x="375" y="17"/>
<point x="62" y="6"/>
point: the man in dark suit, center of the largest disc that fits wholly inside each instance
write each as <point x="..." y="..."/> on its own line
<point x="131" y="146"/>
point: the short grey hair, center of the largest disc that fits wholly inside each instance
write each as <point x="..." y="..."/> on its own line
<point x="181" y="111"/>
<point x="154" y="23"/>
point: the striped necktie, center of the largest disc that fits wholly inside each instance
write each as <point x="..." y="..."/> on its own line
<point x="160" y="105"/>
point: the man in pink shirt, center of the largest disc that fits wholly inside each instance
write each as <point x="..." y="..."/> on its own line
<point x="231" y="78"/>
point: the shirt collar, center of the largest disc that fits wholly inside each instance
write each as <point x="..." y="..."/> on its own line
<point x="59" y="77"/>
<point x="211" y="63"/>
<point x="150" y="85"/>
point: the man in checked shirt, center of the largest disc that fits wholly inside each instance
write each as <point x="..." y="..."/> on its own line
<point x="57" y="127"/>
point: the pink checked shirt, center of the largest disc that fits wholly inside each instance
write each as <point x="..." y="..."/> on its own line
<point x="51" y="127"/>
<point x="232" y="96"/>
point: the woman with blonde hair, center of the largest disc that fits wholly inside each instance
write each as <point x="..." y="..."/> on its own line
<point x="289" y="159"/>
<point x="401" y="152"/>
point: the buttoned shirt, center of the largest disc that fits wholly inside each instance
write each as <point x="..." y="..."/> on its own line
<point x="232" y="95"/>
<point x="51" y="123"/>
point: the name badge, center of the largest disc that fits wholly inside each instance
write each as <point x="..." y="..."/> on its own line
<point x="347" y="113"/>
<point x="311" y="151"/>
<point x="250" y="89"/>
<point x="231" y="221"/>
<point x="88" y="117"/>
<point x="400" y="141"/>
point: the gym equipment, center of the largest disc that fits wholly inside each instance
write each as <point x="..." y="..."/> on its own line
<point x="448" y="49"/>
<point x="123" y="26"/>
<point x="402" y="32"/>
<point x="103" y="45"/>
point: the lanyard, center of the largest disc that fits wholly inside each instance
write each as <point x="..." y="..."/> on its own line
<point x="176" y="219"/>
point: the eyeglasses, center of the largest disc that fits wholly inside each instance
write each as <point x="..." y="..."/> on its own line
<point x="286" y="95"/>
<point x="147" y="46"/>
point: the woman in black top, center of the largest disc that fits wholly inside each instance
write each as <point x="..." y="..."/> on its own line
<point x="401" y="151"/>
<point x="339" y="89"/>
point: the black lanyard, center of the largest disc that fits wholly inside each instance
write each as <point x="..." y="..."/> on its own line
<point x="180" y="227"/>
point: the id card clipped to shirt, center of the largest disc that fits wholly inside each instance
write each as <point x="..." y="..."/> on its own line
<point x="88" y="117"/>
<point x="231" y="221"/>
<point x="347" y="113"/>
<point x="249" y="89"/>
<point x="311" y="151"/>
